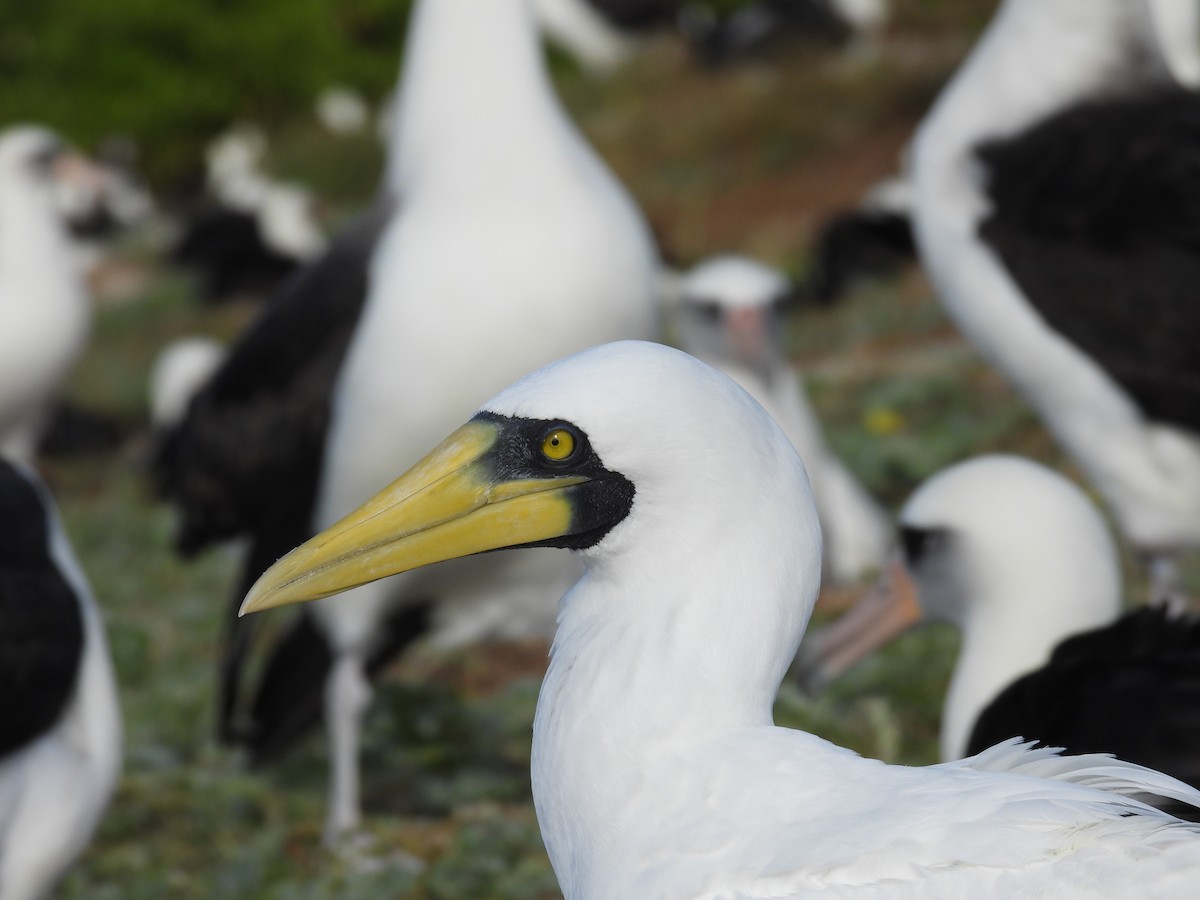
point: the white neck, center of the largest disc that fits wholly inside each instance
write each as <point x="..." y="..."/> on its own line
<point x="474" y="96"/>
<point x="651" y="665"/>
<point x="32" y="239"/>
<point x="1020" y="610"/>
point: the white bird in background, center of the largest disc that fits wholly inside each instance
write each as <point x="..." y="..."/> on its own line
<point x="501" y="238"/>
<point x="1056" y="215"/>
<point x="60" y="744"/>
<point x="255" y="230"/>
<point x="45" y="312"/>
<point x="1018" y="559"/>
<point x="513" y="245"/>
<point x="729" y="314"/>
<point x="657" y="771"/>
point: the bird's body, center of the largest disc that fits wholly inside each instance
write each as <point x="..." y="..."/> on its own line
<point x="501" y="238"/>
<point x="656" y="768"/>
<point x="60" y="747"/>
<point x="45" y="313"/>
<point x="508" y="252"/>
<point x="729" y="316"/>
<point x="1040" y="179"/>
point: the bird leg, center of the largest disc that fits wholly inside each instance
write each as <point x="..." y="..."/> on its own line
<point x="348" y="694"/>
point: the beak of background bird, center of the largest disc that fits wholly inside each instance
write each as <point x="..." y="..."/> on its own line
<point x="886" y="611"/>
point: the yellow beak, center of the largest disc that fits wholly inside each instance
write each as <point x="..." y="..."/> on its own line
<point x="450" y="504"/>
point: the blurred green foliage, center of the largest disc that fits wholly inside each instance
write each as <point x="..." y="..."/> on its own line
<point x="171" y="74"/>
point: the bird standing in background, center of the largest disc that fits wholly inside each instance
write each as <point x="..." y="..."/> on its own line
<point x="60" y="743"/>
<point x="502" y="239"/>
<point x="729" y="315"/>
<point x="1058" y="215"/>
<point x="657" y="770"/>
<point x="45" y="312"/>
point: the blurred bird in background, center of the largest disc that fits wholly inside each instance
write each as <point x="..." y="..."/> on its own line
<point x="60" y="745"/>
<point x="1057" y="215"/>
<point x="1020" y="561"/>
<point x="252" y="230"/>
<point x="45" y="312"/>
<point x="502" y="235"/>
<point x="730" y="313"/>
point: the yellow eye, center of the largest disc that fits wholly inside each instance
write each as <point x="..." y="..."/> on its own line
<point x="558" y="444"/>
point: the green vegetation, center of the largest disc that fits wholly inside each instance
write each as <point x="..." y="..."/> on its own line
<point x="172" y="74"/>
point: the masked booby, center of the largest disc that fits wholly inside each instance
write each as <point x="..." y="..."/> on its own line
<point x="1019" y="560"/>
<point x="45" y="312"/>
<point x="730" y="311"/>
<point x="60" y="735"/>
<point x="1056" y="213"/>
<point x="509" y="243"/>
<point x="657" y="771"/>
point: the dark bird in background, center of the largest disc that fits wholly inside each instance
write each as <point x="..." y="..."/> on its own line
<point x="250" y="231"/>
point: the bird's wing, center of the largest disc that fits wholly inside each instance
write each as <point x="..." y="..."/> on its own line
<point x="246" y="457"/>
<point x="1095" y="212"/>
<point x="1131" y="689"/>
<point x="41" y="624"/>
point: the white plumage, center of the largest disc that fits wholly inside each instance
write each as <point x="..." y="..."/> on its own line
<point x="180" y="370"/>
<point x="45" y="312"/>
<point x="657" y="771"/>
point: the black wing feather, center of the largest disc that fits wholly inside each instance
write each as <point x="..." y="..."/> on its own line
<point x="246" y="458"/>
<point x="1131" y="688"/>
<point x="41" y="624"/>
<point x="856" y="246"/>
<point x="1096" y="214"/>
<point x="226" y="250"/>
